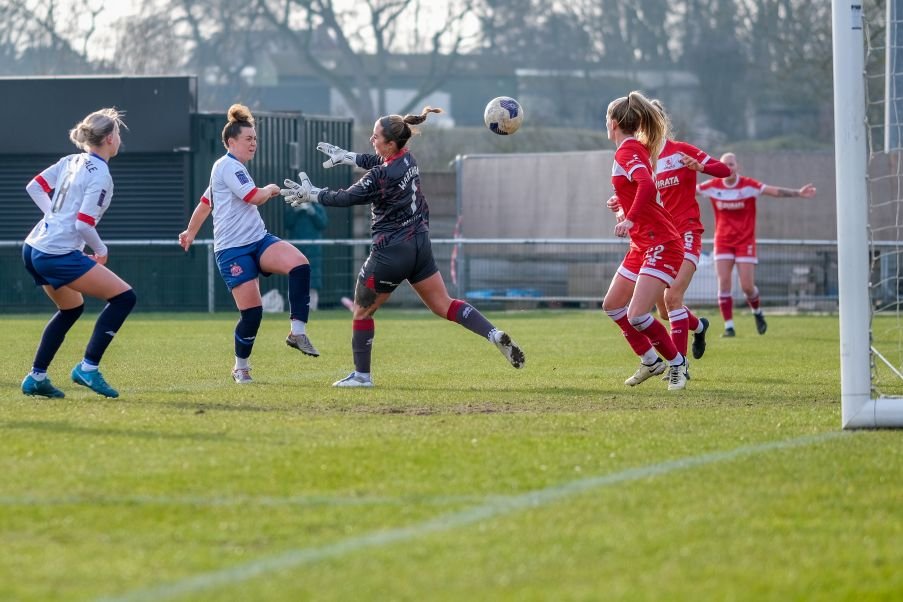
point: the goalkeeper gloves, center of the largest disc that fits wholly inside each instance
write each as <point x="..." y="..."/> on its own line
<point x="337" y="156"/>
<point x="298" y="195"/>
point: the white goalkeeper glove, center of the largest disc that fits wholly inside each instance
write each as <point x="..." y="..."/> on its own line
<point x="300" y="194"/>
<point x="337" y="156"/>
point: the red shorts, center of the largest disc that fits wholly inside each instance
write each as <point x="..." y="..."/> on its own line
<point x="744" y="252"/>
<point x="693" y="245"/>
<point x="658" y="261"/>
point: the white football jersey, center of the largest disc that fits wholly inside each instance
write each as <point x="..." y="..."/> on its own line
<point x="235" y="221"/>
<point x="82" y="190"/>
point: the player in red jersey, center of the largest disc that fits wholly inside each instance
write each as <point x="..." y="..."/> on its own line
<point x="734" y="202"/>
<point x="675" y="178"/>
<point x="638" y="130"/>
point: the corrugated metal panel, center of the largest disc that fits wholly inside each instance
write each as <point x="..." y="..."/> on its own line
<point x="20" y="214"/>
<point x="149" y="200"/>
<point x="151" y="193"/>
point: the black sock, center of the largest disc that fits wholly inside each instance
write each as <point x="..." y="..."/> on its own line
<point x="467" y="316"/>
<point x="108" y="324"/>
<point x="362" y="343"/>
<point x="299" y="292"/>
<point x="246" y="331"/>
<point x="54" y="334"/>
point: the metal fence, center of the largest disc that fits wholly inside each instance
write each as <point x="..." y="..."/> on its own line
<point x="502" y="273"/>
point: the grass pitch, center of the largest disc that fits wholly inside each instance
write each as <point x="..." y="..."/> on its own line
<point x="456" y="478"/>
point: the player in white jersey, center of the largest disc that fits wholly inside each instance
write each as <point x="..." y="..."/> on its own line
<point x="54" y="252"/>
<point x="244" y="249"/>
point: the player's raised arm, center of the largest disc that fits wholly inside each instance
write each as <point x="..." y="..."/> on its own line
<point x="808" y="191"/>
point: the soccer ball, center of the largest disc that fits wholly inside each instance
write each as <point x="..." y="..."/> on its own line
<point x="503" y="115"/>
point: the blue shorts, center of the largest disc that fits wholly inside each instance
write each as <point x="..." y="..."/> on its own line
<point x="55" y="270"/>
<point x="242" y="264"/>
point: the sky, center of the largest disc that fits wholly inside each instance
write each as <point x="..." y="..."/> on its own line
<point x="102" y="44"/>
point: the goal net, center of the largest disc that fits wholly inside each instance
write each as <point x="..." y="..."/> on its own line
<point x="869" y="166"/>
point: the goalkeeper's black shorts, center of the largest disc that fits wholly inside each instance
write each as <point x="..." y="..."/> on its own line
<point x="410" y="260"/>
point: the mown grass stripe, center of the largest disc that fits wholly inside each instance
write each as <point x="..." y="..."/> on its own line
<point x="494" y="508"/>
<point x="237" y="500"/>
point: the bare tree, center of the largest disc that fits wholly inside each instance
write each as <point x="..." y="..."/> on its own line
<point x="149" y="43"/>
<point x="356" y="55"/>
<point x="44" y="37"/>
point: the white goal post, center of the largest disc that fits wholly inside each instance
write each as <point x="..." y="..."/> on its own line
<point x="859" y="408"/>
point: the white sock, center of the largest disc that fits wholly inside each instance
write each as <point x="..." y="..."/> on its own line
<point x="728" y="324"/>
<point x="88" y="367"/>
<point x="38" y="376"/>
<point x="677" y="361"/>
<point x="364" y="375"/>
<point x="650" y="357"/>
<point x="242" y="363"/>
<point x="299" y="327"/>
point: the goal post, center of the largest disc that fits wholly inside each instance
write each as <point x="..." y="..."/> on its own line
<point x="859" y="407"/>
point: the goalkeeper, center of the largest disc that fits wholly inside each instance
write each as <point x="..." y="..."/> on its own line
<point x="401" y="248"/>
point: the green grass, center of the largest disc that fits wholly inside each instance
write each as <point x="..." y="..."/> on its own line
<point x="364" y="494"/>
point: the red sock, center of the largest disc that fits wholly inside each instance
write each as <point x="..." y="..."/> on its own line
<point x="679" y="329"/>
<point x="726" y="305"/>
<point x="753" y="301"/>
<point x="657" y="334"/>
<point x="635" y="339"/>
<point x="692" y="320"/>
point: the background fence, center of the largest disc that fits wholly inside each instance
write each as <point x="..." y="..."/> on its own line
<point x="499" y="273"/>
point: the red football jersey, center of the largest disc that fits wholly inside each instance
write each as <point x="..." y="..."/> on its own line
<point x="735" y="208"/>
<point x="652" y="224"/>
<point x="676" y="184"/>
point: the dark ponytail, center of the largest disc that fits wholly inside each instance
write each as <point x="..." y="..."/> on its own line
<point x="398" y="129"/>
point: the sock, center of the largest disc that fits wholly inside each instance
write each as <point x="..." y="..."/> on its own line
<point x="753" y="301"/>
<point x="728" y="324"/>
<point x="657" y="335"/>
<point x="53" y="337"/>
<point x="246" y="331"/>
<point x="362" y="344"/>
<point x="692" y="321"/>
<point x="726" y="305"/>
<point x="108" y="324"/>
<point x="467" y="316"/>
<point x="88" y="366"/>
<point x="298" y="327"/>
<point x="299" y="293"/>
<point x="38" y="376"/>
<point x="635" y="339"/>
<point x="242" y="363"/>
<point x="679" y="329"/>
<point x="650" y="357"/>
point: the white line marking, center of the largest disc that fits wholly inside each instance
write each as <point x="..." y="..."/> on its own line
<point x="445" y="522"/>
